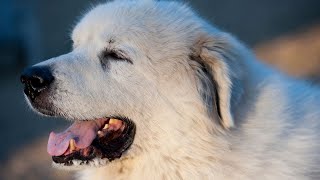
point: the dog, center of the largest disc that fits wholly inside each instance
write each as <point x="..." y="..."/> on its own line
<point x="156" y="92"/>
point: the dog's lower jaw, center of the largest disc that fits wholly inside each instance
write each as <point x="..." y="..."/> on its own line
<point x="178" y="163"/>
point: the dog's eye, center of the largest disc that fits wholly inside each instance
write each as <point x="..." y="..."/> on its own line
<point x="116" y="56"/>
<point x="112" y="55"/>
<point x="108" y="56"/>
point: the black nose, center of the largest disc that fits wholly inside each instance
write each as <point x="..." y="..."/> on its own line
<point x="36" y="79"/>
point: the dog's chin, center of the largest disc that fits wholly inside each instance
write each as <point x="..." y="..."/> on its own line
<point x="89" y="143"/>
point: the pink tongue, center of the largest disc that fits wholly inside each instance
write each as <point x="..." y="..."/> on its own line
<point x="82" y="132"/>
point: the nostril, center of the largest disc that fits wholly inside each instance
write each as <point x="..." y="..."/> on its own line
<point x="37" y="82"/>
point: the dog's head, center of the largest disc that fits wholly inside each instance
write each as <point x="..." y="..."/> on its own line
<point x="142" y="76"/>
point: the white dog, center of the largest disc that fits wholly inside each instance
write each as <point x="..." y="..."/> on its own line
<point x="155" y="92"/>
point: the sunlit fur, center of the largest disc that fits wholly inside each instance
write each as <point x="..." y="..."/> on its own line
<point x="204" y="108"/>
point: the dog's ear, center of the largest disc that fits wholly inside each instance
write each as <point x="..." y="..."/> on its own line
<point x="220" y="58"/>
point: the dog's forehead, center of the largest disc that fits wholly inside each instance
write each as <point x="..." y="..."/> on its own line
<point x="138" y="21"/>
<point x="104" y="20"/>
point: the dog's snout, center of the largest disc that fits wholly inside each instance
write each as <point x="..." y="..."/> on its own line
<point x="36" y="79"/>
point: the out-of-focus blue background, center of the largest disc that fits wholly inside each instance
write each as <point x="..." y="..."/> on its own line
<point x="35" y="30"/>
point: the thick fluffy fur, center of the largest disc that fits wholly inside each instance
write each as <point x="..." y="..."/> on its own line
<point x="204" y="108"/>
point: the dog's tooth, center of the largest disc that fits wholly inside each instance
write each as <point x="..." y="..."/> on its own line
<point x="106" y="126"/>
<point x="113" y="121"/>
<point x="72" y="145"/>
<point x="100" y="134"/>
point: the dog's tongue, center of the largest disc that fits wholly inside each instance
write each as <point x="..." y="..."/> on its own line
<point x="82" y="132"/>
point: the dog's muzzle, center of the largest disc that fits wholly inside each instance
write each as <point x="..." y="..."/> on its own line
<point x="36" y="79"/>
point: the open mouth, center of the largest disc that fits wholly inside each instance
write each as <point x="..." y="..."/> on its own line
<point x="84" y="141"/>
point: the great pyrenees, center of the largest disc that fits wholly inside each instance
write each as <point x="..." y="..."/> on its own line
<point x="156" y="92"/>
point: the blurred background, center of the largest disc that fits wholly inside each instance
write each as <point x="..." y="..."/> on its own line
<point x="284" y="34"/>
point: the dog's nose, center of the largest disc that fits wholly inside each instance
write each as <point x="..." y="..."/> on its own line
<point x="36" y="79"/>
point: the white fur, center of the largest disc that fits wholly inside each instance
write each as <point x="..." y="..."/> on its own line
<point x="79" y="165"/>
<point x="268" y="126"/>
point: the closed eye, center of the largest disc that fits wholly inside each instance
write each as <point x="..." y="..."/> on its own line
<point x="113" y="55"/>
<point x="117" y="56"/>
